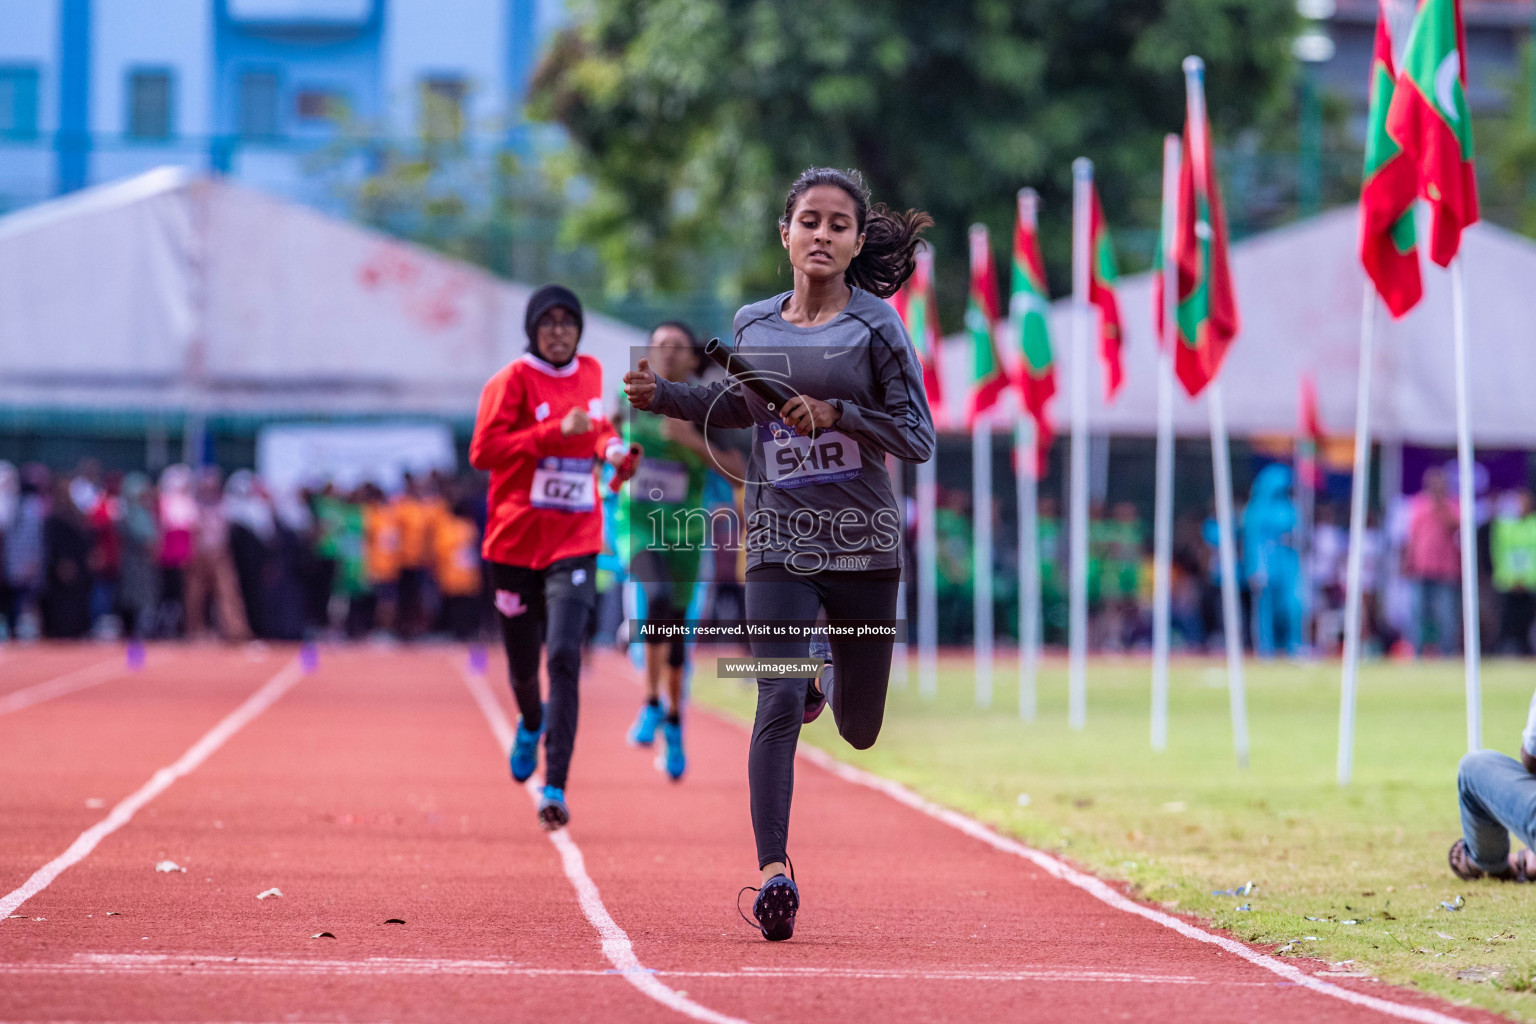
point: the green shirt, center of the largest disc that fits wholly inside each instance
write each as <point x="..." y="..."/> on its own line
<point x="1514" y="553"/>
<point x="662" y="506"/>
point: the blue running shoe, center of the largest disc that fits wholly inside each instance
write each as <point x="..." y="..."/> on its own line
<point x="677" y="761"/>
<point x="553" y="814"/>
<point x="525" y="752"/>
<point x="775" y="907"/>
<point x="643" y="732"/>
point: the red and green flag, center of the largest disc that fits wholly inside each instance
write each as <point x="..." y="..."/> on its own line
<point x="1030" y="307"/>
<point x="1102" y="275"/>
<point x="919" y="312"/>
<point x="1388" y="243"/>
<point x="1206" y="317"/>
<point x="989" y="377"/>
<point x="1430" y="120"/>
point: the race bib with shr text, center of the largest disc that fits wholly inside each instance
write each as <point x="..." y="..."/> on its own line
<point x="790" y="460"/>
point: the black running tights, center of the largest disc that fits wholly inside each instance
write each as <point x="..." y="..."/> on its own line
<point x="547" y="608"/>
<point x="778" y="596"/>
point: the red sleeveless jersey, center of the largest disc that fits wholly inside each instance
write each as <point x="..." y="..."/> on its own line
<point x="543" y="503"/>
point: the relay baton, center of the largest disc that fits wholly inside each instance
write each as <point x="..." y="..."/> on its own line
<point x="624" y="470"/>
<point x="759" y="382"/>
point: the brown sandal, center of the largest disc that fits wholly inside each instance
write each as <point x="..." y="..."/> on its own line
<point x="1522" y="865"/>
<point x="1461" y="862"/>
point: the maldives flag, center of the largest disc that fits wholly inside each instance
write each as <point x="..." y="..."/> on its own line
<point x="1429" y="118"/>
<point x="919" y="312"/>
<point x="1207" y="306"/>
<point x="1029" y="306"/>
<point x="989" y="378"/>
<point x="1387" y="238"/>
<point x="1102" y="275"/>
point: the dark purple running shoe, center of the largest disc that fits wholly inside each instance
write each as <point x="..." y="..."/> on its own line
<point x="775" y="907"/>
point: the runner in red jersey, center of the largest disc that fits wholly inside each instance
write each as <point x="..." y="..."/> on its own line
<point x="539" y="432"/>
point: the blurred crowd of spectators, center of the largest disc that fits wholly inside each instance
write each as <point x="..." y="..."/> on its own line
<point x="192" y="554"/>
<point x="1292" y="593"/>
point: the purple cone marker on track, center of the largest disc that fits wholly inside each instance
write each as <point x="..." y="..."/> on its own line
<point x="135" y="655"/>
<point x="309" y="657"/>
<point x="477" y="658"/>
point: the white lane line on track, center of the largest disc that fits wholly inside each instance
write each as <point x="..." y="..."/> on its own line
<point x="616" y="945"/>
<point x="1106" y="894"/>
<point x="112" y="964"/>
<point x="120" y="815"/>
<point x="79" y="679"/>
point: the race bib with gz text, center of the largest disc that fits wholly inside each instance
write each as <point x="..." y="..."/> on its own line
<point x="566" y="485"/>
<point x="790" y="460"/>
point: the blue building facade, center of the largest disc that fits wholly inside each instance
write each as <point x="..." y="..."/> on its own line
<point x="96" y="90"/>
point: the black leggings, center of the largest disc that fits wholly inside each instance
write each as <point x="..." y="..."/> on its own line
<point x="777" y="595"/>
<point x="549" y="608"/>
<point x="666" y="599"/>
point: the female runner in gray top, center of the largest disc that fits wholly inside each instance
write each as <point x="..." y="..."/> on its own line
<point x="823" y="529"/>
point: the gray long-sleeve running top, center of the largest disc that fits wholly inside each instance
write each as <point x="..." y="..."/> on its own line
<point x="825" y="503"/>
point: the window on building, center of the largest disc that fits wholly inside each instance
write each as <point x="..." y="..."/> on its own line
<point x="442" y="109"/>
<point x="259" y="105"/>
<point x="149" y="104"/>
<point x="18" y="102"/>
<point x="313" y="104"/>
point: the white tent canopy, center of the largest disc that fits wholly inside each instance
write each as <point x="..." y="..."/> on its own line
<point x="169" y="292"/>
<point x="1299" y="293"/>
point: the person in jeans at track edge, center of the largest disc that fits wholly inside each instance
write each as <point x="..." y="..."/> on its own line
<point x="539" y="431"/>
<point x="822" y="527"/>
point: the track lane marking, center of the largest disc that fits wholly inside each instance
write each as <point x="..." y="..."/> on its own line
<point x="70" y="682"/>
<point x="615" y="941"/>
<point x="107" y="964"/>
<point x="123" y="813"/>
<point x="1103" y="892"/>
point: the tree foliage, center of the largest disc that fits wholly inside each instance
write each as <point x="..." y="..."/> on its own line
<point x="690" y="118"/>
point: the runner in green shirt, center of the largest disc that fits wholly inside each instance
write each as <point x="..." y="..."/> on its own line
<point x="661" y="528"/>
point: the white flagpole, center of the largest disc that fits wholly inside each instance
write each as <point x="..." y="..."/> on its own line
<point x="1306" y="508"/>
<point x="1077" y="688"/>
<point x="1162" y="518"/>
<point x="981" y="511"/>
<point x="1029" y="563"/>
<point x="927" y="582"/>
<point x="1466" y="467"/>
<point x="1232" y="625"/>
<point x="1026" y="478"/>
<point x="1231" y="619"/>
<point x="981" y="525"/>
<point x="896" y="469"/>
<point x="1359" y="488"/>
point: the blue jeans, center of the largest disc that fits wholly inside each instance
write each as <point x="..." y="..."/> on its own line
<point x="1498" y="796"/>
<point x="1439" y="603"/>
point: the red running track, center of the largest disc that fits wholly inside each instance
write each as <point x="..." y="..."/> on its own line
<point x="375" y="788"/>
